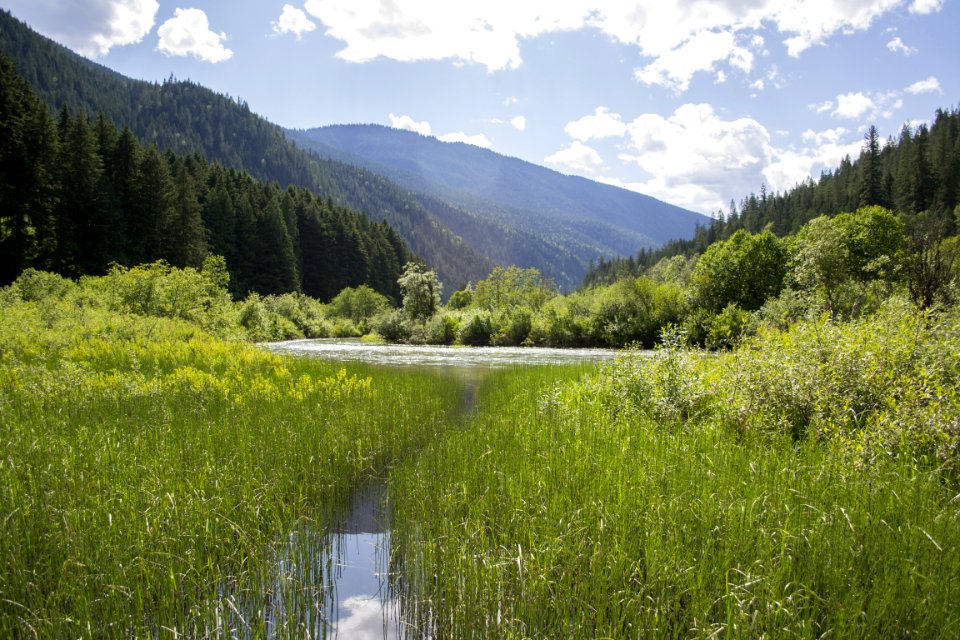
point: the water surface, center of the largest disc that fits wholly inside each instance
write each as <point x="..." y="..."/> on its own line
<point x="358" y="602"/>
<point x="438" y="355"/>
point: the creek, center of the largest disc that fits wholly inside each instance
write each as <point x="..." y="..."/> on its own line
<point x="355" y="552"/>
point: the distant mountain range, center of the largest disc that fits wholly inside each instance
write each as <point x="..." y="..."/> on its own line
<point x="569" y="220"/>
<point x="463" y="209"/>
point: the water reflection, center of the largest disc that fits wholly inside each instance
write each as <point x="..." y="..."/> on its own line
<point x="359" y="603"/>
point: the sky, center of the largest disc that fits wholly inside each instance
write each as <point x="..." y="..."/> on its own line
<point x="694" y="102"/>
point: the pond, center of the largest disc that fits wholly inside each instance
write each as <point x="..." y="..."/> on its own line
<point x="358" y="601"/>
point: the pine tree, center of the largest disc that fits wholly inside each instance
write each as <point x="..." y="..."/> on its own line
<point x="871" y="171"/>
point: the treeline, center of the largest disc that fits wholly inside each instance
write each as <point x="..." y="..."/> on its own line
<point x="846" y="266"/>
<point x="77" y="195"/>
<point x="186" y="118"/>
<point x="917" y="172"/>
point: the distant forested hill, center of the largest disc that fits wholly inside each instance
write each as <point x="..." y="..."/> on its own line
<point x="187" y="118"/>
<point x="561" y="222"/>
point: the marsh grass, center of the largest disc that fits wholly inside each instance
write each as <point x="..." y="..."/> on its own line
<point x="151" y="474"/>
<point x="590" y="509"/>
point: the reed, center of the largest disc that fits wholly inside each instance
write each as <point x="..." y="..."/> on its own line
<point x="570" y="510"/>
<point x="152" y="476"/>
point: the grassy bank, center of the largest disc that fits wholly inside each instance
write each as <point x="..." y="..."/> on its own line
<point x="151" y="474"/>
<point x="783" y="490"/>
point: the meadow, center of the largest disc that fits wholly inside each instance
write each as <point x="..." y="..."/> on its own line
<point x="152" y="474"/>
<point x="804" y="485"/>
<point x="157" y="473"/>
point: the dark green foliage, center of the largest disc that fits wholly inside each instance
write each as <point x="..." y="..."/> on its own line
<point x="81" y="196"/>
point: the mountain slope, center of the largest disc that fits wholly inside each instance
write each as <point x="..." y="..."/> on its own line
<point x="187" y="118"/>
<point x="587" y="217"/>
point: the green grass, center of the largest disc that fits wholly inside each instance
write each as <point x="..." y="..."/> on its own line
<point x="156" y="481"/>
<point x="627" y="505"/>
<point x="150" y="475"/>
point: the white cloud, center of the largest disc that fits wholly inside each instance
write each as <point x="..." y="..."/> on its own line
<point x="853" y="105"/>
<point x="577" y="156"/>
<point x="897" y="46"/>
<point x="675" y="68"/>
<point x="930" y="85"/>
<point x="519" y="123"/>
<point x="679" y="39"/>
<point x="409" y="124"/>
<point x="89" y="27"/>
<point x="479" y="139"/>
<point x="822" y="107"/>
<point x="510" y="100"/>
<point x="695" y="158"/>
<point x="294" y="21"/>
<point x="188" y="33"/>
<point x="602" y="124"/>
<point x="925" y="6"/>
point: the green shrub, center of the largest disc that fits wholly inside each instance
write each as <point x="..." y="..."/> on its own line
<point x="475" y="329"/>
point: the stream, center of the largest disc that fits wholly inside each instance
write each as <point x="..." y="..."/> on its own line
<point x="358" y="602"/>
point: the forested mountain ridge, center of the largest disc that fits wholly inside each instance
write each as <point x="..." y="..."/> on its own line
<point x="78" y="195"/>
<point x="187" y="118"/>
<point x="583" y="218"/>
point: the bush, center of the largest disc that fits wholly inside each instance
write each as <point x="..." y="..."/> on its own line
<point x="513" y="328"/>
<point x="392" y="326"/>
<point x="476" y="329"/>
<point x="880" y="386"/>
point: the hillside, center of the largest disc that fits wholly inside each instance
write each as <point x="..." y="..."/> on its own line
<point x="585" y="218"/>
<point x="187" y="118"/>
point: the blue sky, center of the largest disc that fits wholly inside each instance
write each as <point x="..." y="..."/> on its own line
<point x="693" y="102"/>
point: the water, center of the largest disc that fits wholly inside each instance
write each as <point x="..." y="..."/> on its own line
<point x="439" y="356"/>
<point x="358" y="602"/>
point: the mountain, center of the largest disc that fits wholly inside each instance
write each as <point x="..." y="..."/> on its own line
<point x="187" y="118"/>
<point x="460" y="208"/>
<point x="563" y="216"/>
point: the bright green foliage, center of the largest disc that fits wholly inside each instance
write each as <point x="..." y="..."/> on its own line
<point x="634" y="311"/>
<point x="673" y="495"/>
<point x="421" y="292"/>
<point x="744" y="270"/>
<point x="152" y="474"/>
<point x="512" y="287"/>
<point x="358" y="304"/>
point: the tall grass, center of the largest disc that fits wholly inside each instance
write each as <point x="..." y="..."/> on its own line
<point x="635" y="503"/>
<point x="151" y="475"/>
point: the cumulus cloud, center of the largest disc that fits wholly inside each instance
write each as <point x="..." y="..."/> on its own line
<point x="679" y="39"/>
<point x="293" y="20"/>
<point x="695" y="158"/>
<point x="89" y="27"/>
<point x="479" y="139"/>
<point x="423" y="127"/>
<point x="602" y="124"/>
<point x="698" y="159"/>
<point x="409" y="124"/>
<point x="923" y="7"/>
<point x="930" y="85"/>
<point x="519" y="123"/>
<point x="853" y="105"/>
<point x="577" y="156"/>
<point x="188" y="33"/>
<point x="675" y="68"/>
<point x="897" y="46"/>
